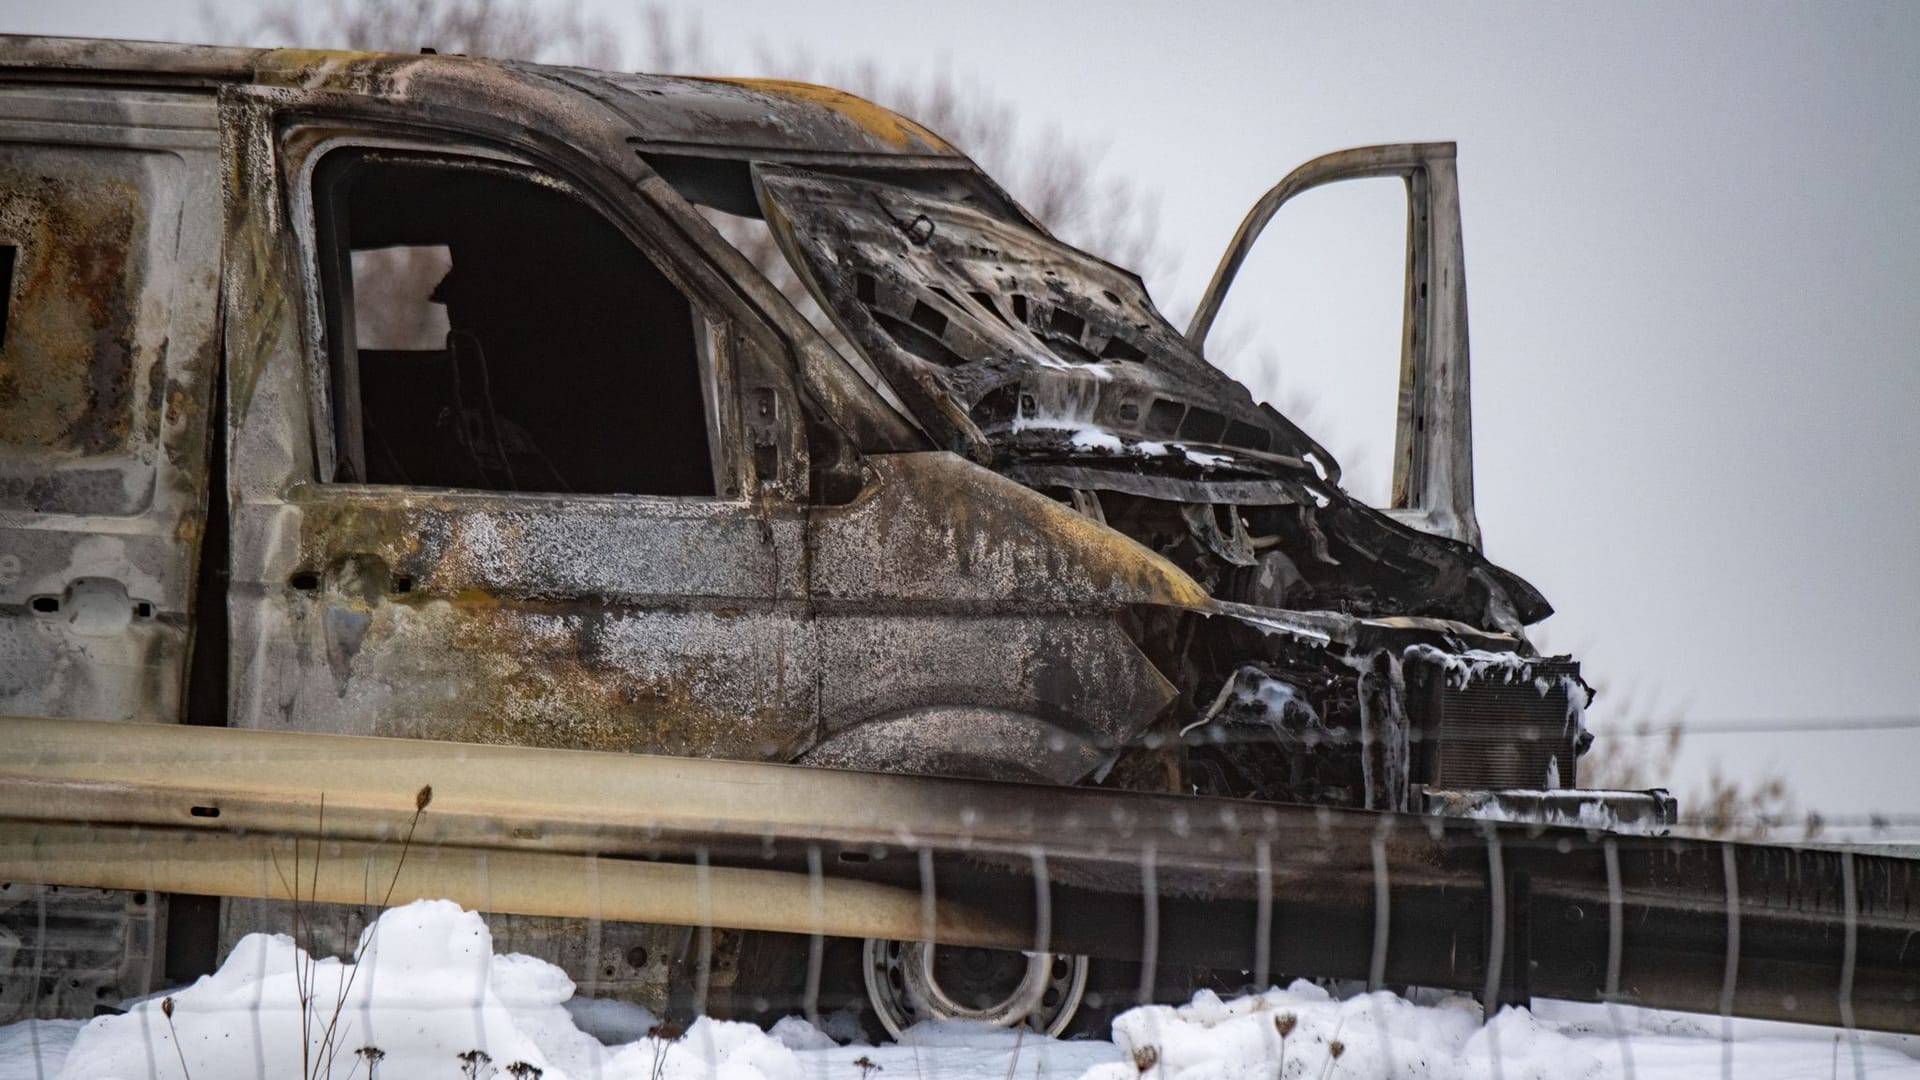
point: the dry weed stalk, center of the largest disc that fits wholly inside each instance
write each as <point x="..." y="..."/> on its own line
<point x="318" y="1062"/>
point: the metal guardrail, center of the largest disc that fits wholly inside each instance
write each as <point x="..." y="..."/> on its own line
<point x="1504" y="911"/>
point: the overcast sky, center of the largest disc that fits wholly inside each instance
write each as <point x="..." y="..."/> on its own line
<point x="1693" y="251"/>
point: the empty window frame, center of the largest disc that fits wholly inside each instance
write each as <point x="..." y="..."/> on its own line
<point x="490" y="330"/>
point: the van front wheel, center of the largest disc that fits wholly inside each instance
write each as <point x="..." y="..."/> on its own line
<point x="911" y="981"/>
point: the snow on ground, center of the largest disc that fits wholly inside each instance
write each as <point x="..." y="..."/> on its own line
<point x="428" y="992"/>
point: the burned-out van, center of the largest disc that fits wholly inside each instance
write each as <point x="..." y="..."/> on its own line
<point x="443" y="397"/>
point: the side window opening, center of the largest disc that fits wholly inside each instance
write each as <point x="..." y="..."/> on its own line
<point x="491" y="331"/>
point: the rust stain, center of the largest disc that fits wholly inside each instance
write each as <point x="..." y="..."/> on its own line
<point x="317" y="69"/>
<point x="534" y="675"/>
<point x="67" y="368"/>
<point x="371" y="529"/>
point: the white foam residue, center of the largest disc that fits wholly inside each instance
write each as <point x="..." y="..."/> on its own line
<point x="1589" y="812"/>
<point x="1096" y="439"/>
<point x="1102" y="372"/>
<point x="1151" y="449"/>
<point x="1576" y="704"/>
<point x="1250" y="686"/>
<point x="1205" y="460"/>
<point x="1274" y="695"/>
<point x="1465" y="667"/>
<point x="1055" y="403"/>
<point x="1274" y="621"/>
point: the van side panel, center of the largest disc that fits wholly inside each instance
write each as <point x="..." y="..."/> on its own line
<point x="109" y="260"/>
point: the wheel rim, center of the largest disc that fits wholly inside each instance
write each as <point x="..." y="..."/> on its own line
<point x="909" y="981"/>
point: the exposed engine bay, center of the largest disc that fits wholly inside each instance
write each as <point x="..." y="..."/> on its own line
<point x="1356" y="659"/>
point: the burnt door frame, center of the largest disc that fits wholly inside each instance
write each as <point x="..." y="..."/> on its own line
<point x="1433" y="431"/>
<point x="628" y="622"/>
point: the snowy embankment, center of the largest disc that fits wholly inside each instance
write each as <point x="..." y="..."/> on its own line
<point x="429" y="998"/>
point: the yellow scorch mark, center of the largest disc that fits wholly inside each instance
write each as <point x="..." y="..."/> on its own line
<point x="876" y="120"/>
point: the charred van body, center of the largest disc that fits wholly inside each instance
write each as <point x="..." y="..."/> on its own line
<point x="428" y="396"/>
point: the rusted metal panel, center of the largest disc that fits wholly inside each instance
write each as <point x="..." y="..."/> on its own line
<point x="66" y="383"/>
<point x="660" y="625"/>
<point x="627" y="623"/>
<point x="110" y="202"/>
<point x="618" y="623"/>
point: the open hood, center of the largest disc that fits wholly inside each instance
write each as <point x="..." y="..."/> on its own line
<point x="1054" y="368"/>
<point x="996" y="334"/>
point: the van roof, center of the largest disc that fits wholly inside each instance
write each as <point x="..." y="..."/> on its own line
<point x="668" y="112"/>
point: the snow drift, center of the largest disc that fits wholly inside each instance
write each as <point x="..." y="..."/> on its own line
<point x="427" y="997"/>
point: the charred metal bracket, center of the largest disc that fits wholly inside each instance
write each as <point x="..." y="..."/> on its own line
<point x="1433" y="440"/>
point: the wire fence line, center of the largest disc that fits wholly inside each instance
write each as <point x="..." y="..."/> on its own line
<point x="1740" y="726"/>
<point x="1395" y="915"/>
<point x="712" y="900"/>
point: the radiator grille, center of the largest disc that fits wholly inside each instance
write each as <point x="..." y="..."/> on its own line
<point x="1492" y="733"/>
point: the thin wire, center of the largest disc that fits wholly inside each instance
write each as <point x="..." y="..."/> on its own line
<point x="260" y="973"/>
<point x="1497" y="919"/>
<point x="703" y="968"/>
<point x="593" y="925"/>
<point x="146" y="1036"/>
<point x="1765" y="727"/>
<point x="1730" y="976"/>
<point x="1850" y="897"/>
<point x="1616" y="917"/>
<point x="929" y="909"/>
<point x="817" y="943"/>
<point x="1869" y="820"/>
<point x="39" y="961"/>
<point x="1377" y="970"/>
<point x="1262" y="914"/>
<point x="1616" y="930"/>
<point x="1497" y="942"/>
<point x="155" y="936"/>
<point x="1149" y="924"/>
<point x="1042" y="931"/>
<point x="1042" y="903"/>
